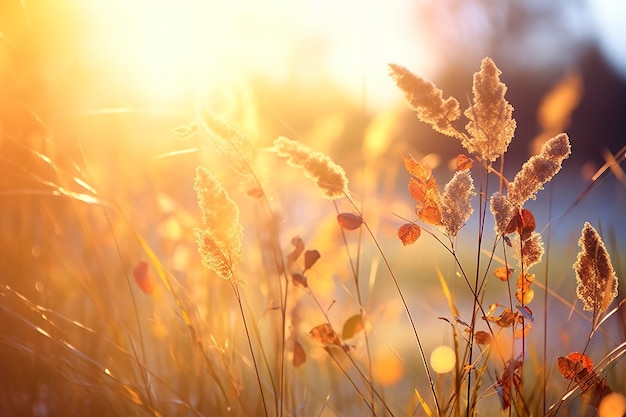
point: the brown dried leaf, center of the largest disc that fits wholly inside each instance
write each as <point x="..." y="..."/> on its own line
<point x="325" y="334"/>
<point x="298" y="244"/>
<point x="349" y="221"/>
<point x="408" y="233"/>
<point x="310" y="257"/>
<point x="523" y="222"/>
<point x="483" y="338"/>
<point x="299" y="280"/>
<point x="299" y="355"/>
<point x="463" y="162"/>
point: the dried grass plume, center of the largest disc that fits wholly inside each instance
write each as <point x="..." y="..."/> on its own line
<point x="491" y="125"/>
<point x="329" y="177"/>
<point x="220" y="243"/>
<point x="456" y="205"/>
<point x="427" y="101"/>
<point x="597" y="283"/>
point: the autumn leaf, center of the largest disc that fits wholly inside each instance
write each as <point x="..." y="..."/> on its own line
<point x="298" y="244"/>
<point x="482" y="337"/>
<point x="525" y="296"/>
<point x="418" y="170"/>
<point x="408" y="233"/>
<point x="463" y="162"/>
<point x="299" y="280"/>
<point x="523" y="222"/>
<point x="503" y="273"/>
<point x="325" y="334"/>
<point x="310" y="257"/>
<point x="299" y="355"/>
<point x="352" y="326"/>
<point x="576" y="366"/>
<point x="430" y="213"/>
<point x="349" y="221"/>
<point x="142" y="278"/>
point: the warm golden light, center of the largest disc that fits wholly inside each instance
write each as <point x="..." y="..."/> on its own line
<point x="442" y="359"/>
<point x="170" y="50"/>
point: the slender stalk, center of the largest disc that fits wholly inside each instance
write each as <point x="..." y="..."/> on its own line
<point x="406" y="309"/>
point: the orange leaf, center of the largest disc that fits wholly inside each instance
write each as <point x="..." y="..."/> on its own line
<point x="584" y="360"/>
<point x="325" y="334"/>
<point x="421" y="171"/>
<point x="142" y="278"/>
<point x="417" y="189"/>
<point x="352" y="326"/>
<point x="349" y="221"/>
<point x="463" y="162"/>
<point x="503" y="273"/>
<point x="408" y="233"/>
<point x="430" y="214"/>
<point x="299" y="355"/>
<point x="526" y="296"/>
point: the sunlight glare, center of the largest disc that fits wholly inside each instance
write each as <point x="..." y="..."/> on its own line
<point x="169" y="50"/>
<point x="442" y="359"/>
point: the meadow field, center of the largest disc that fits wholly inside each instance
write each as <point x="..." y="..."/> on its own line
<point x="280" y="248"/>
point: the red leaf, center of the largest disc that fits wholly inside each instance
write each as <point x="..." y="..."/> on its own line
<point x="349" y="221"/>
<point x="408" y="233"/>
<point x="142" y="278"/>
<point x="310" y="257"/>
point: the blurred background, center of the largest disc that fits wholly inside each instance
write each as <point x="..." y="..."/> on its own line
<point x="91" y="90"/>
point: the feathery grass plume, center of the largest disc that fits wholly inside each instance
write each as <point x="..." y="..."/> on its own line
<point x="597" y="282"/>
<point x="502" y="210"/>
<point x="329" y="177"/>
<point x="427" y="101"/>
<point x="229" y="141"/>
<point x="491" y="125"/>
<point x="538" y="170"/>
<point x="455" y="202"/>
<point x="220" y="244"/>
<point x="529" y="252"/>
